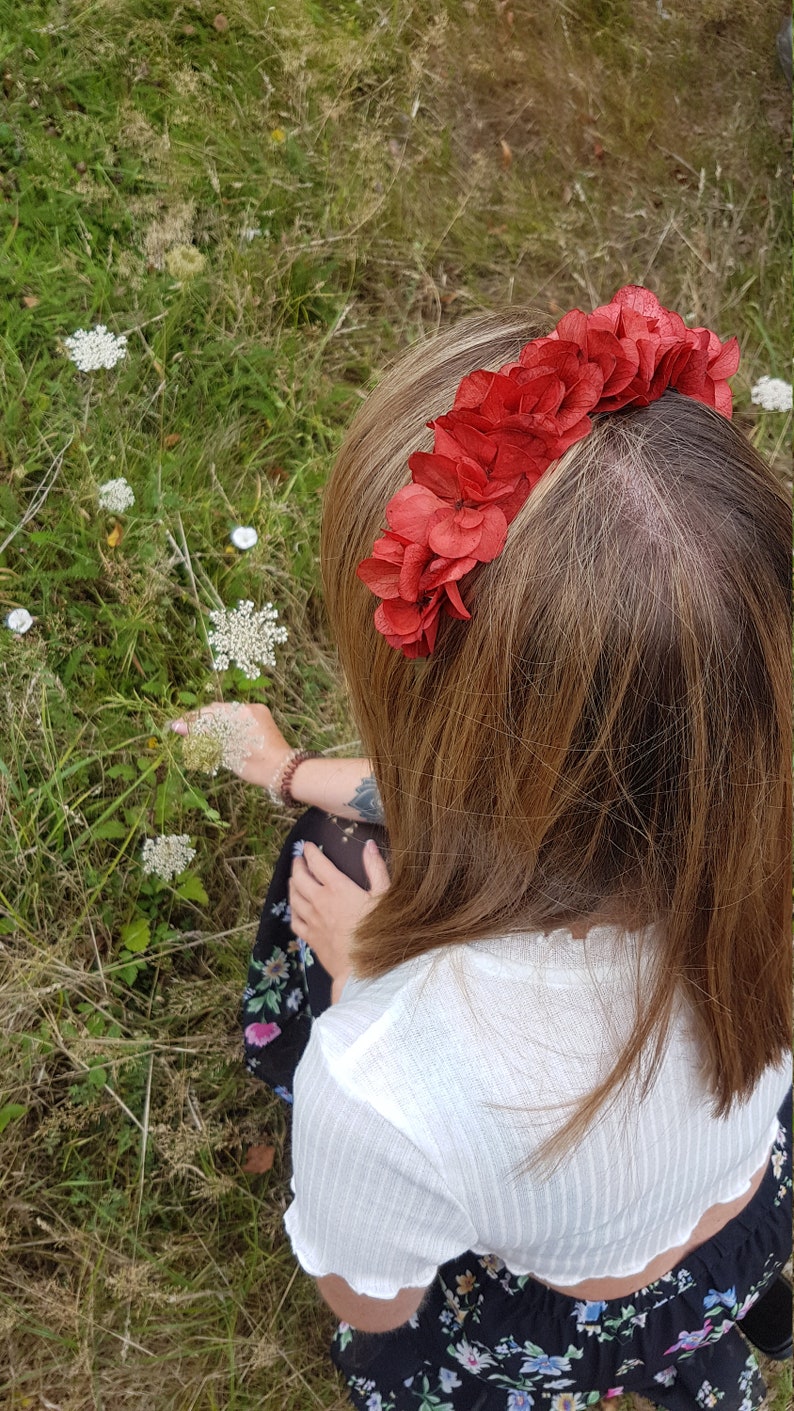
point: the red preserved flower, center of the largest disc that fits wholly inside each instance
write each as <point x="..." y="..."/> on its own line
<point x="503" y="432"/>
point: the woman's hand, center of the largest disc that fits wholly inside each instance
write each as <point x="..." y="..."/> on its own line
<point x="326" y="906"/>
<point x="262" y="746"/>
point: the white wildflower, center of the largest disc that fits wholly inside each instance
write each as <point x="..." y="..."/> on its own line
<point x="772" y="394"/>
<point x="220" y="738"/>
<point x="243" y="536"/>
<point x="19" y="620"/>
<point x="249" y="233"/>
<point x="245" y="637"/>
<point x="116" y="495"/>
<point x="167" y="855"/>
<point x="96" y="347"/>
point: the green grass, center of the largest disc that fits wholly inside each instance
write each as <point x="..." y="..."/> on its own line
<point x="402" y="164"/>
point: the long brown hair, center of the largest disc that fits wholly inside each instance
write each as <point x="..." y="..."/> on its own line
<point x="609" y="736"/>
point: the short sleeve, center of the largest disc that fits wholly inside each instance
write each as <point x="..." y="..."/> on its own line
<point x="369" y="1205"/>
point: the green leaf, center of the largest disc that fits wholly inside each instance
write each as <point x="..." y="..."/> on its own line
<point x="11" y="1113"/>
<point x="122" y="771"/>
<point x="130" y="972"/>
<point x="136" y="935"/>
<point x="112" y="829"/>
<point x="192" y="890"/>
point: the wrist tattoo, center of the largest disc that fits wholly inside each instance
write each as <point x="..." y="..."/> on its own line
<point x="366" y="801"/>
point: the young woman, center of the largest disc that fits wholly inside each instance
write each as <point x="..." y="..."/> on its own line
<point x="541" y="1153"/>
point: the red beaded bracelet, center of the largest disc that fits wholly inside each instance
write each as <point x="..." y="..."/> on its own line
<point x="279" y="787"/>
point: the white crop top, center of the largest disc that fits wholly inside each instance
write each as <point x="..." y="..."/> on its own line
<point x="422" y="1094"/>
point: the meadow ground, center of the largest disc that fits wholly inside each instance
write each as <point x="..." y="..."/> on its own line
<point x="269" y="202"/>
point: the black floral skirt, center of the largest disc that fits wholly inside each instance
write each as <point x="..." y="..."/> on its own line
<point x="489" y="1340"/>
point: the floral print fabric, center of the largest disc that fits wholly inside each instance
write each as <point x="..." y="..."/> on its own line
<point x="484" y="1338"/>
<point x="286" y="984"/>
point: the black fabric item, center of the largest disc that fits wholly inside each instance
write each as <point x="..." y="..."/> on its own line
<point x="768" y="1324"/>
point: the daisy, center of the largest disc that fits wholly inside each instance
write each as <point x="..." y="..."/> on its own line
<point x="276" y="968"/>
<point x="475" y="1359"/>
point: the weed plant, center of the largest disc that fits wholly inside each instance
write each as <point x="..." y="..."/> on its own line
<point x="270" y="203"/>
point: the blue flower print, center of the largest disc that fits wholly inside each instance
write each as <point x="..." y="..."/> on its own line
<point x="748" y="1375"/>
<point x="305" y="954"/>
<point x="284" y="1094"/>
<point x="281" y="910"/>
<point x="545" y="1364"/>
<point x="375" y="1401"/>
<point x="448" y="1379"/>
<point x="293" y="1000"/>
<point x="714" y="1299"/>
<point x="587" y="1316"/>
<point x="519" y="1401"/>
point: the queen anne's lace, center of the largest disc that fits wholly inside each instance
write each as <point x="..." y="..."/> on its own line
<point x="773" y="394"/>
<point x="245" y="637"/>
<point x="167" y="855"/>
<point x="504" y="431"/>
<point x="94" y="348"/>
<point x="116" y="495"/>
<point x="220" y="738"/>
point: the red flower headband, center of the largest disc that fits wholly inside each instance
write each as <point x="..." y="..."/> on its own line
<point x="506" y="428"/>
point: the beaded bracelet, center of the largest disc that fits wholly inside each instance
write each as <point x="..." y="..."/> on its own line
<point x="279" y="786"/>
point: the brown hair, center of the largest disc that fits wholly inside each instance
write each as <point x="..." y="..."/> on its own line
<point x="609" y="736"/>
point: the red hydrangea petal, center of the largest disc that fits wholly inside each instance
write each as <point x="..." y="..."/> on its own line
<point x="382" y="578"/>
<point x="454" y="604"/>
<point x="436" y="473"/>
<point x="455" y="533"/>
<point x="638" y="298"/>
<point x="723" y="399"/>
<point x="409" y="510"/>
<point x="417" y="557"/>
<point x="410" y="628"/>
<point x="572" y="328"/>
<point x="454" y="436"/>
<point x="473" y="389"/>
<point x="443" y="570"/>
<point x="723" y="357"/>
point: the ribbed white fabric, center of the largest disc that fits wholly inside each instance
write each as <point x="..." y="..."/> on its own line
<point x="421" y="1096"/>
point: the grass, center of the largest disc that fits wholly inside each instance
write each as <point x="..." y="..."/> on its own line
<point x="354" y="176"/>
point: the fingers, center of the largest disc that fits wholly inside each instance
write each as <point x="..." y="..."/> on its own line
<point x="183" y="724"/>
<point x="322" y="868"/>
<point x="301" y="893"/>
<point x="376" y="869"/>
